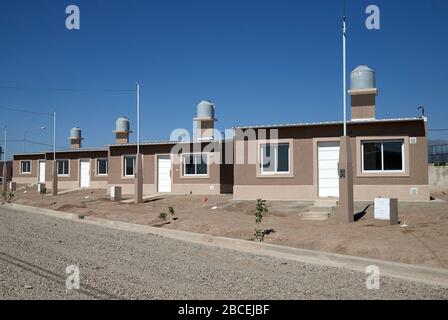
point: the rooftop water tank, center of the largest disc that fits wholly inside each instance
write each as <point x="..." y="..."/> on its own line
<point x="122" y="125"/>
<point x="75" y="133"/>
<point x="362" y="77"/>
<point x="206" y="109"/>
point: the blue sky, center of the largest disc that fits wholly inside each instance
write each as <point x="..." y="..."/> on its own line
<point x="261" y="62"/>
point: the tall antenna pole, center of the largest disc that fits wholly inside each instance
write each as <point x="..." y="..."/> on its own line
<point x="138" y="160"/>
<point x="55" y="164"/>
<point x="344" y="67"/>
<point x="138" y="118"/>
<point x="4" y="173"/>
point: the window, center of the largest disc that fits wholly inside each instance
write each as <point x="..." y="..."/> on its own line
<point x="63" y="167"/>
<point x="102" y="166"/>
<point x="382" y="156"/>
<point x="128" y="164"/>
<point x="26" y="167"/>
<point x="195" y="165"/>
<point x="274" y="158"/>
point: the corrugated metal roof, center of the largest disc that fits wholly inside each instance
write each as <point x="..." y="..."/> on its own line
<point x="309" y="124"/>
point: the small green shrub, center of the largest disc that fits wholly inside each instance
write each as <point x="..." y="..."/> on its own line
<point x="171" y="211"/>
<point x="7" y="197"/>
<point x="260" y="210"/>
<point x="163" y="216"/>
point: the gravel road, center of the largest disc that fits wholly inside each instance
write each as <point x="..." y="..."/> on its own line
<point x="36" y="250"/>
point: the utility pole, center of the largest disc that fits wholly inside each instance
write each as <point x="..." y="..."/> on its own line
<point x="4" y="181"/>
<point x="55" y="168"/>
<point x="345" y="167"/>
<point x="138" y="161"/>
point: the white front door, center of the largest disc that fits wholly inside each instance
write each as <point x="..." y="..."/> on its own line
<point x="85" y="174"/>
<point x="164" y="174"/>
<point x="328" y="159"/>
<point x="41" y="171"/>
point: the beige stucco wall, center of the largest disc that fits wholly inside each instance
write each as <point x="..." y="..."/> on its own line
<point x="302" y="183"/>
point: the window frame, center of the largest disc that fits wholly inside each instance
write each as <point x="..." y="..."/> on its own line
<point x="98" y="167"/>
<point x="21" y="167"/>
<point x="195" y="175"/>
<point x="275" y="172"/>
<point x="68" y="167"/>
<point x="123" y="171"/>
<point x="383" y="171"/>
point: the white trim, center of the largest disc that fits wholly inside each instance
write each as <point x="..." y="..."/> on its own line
<point x="123" y="172"/>
<point x="403" y="160"/>
<point x="276" y="172"/>
<point x="21" y="167"/>
<point x="195" y="164"/>
<point x="97" y="167"/>
<point x="68" y="167"/>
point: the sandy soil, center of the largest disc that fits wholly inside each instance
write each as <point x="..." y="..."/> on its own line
<point x="423" y="242"/>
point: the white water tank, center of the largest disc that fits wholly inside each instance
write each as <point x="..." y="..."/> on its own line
<point x="206" y="109"/>
<point x="362" y="77"/>
<point x="122" y="125"/>
<point x="75" y="133"/>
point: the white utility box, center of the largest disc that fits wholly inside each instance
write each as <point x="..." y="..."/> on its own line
<point x="40" y="187"/>
<point x="386" y="210"/>
<point x="115" y="193"/>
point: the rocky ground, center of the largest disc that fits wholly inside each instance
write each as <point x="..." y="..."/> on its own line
<point x="424" y="240"/>
<point x="36" y="250"/>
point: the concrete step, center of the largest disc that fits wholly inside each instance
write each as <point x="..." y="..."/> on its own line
<point x="314" y="216"/>
<point x="319" y="209"/>
<point x="326" y="202"/>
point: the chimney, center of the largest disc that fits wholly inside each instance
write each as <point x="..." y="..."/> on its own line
<point x="363" y="94"/>
<point x="75" y="138"/>
<point x="122" y="130"/>
<point x="204" y="123"/>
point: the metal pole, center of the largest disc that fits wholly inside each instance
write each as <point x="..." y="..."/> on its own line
<point x="4" y="173"/>
<point x="138" y="118"/>
<point x="55" y="170"/>
<point x="138" y="161"/>
<point x="344" y="67"/>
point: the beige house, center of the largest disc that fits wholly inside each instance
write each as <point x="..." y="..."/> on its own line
<point x="300" y="161"/>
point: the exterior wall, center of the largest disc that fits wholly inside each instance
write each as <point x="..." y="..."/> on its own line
<point x="21" y="178"/>
<point x="302" y="183"/>
<point x="72" y="181"/>
<point x="438" y="177"/>
<point x="211" y="184"/>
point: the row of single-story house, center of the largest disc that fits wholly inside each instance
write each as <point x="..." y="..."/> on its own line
<point x="273" y="162"/>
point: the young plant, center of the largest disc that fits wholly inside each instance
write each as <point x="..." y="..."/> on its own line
<point x="7" y="197"/>
<point x="261" y="210"/>
<point x="163" y="216"/>
<point x="171" y="211"/>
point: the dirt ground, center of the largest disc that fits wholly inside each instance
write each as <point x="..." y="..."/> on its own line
<point x="424" y="240"/>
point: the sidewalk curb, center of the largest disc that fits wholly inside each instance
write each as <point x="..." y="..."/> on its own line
<point x="426" y="275"/>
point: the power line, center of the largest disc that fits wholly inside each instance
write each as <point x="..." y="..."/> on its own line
<point x="67" y="89"/>
<point x="26" y="111"/>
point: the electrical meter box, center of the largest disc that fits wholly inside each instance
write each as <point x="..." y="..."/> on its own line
<point x="386" y="210"/>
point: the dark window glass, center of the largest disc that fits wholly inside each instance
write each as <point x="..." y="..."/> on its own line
<point x="189" y="165"/>
<point x="268" y="161"/>
<point x="372" y="156"/>
<point x="129" y="163"/>
<point x="102" y="166"/>
<point x="201" y="164"/>
<point x="62" y="167"/>
<point x="283" y="158"/>
<point x="393" y="157"/>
